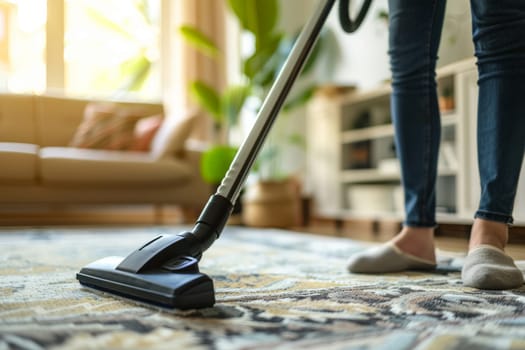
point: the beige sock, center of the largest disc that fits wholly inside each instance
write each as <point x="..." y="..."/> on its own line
<point x="487" y="267"/>
<point x="386" y="258"/>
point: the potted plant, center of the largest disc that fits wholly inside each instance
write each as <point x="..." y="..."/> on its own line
<point x="272" y="46"/>
<point x="222" y="106"/>
<point x="446" y="99"/>
<point x="273" y="198"/>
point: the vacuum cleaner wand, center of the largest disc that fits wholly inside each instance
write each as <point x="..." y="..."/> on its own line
<point x="271" y="106"/>
<point x="164" y="271"/>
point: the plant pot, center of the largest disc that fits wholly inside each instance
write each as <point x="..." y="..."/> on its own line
<point x="446" y="103"/>
<point x="271" y="204"/>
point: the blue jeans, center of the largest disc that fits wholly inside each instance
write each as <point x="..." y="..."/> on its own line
<point x="498" y="28"/>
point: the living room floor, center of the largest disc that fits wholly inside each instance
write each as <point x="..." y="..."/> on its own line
<point x="452" y="238"/>
<point x="445" y="241"/>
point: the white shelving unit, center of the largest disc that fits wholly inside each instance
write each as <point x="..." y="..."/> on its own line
<point x="352" y="166"/>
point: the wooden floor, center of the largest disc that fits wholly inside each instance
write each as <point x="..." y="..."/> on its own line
<point x="451" y="237"/>
<point x="94" y="215"/>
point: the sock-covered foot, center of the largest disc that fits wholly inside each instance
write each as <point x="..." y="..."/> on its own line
<point x="387" y="258"/>
<point x="488" y="267"/>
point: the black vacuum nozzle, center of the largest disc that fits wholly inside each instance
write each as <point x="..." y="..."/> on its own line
<point x="165" y="271"/>
<point x="166" y="286"/>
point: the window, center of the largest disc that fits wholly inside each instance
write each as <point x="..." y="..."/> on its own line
<point x="112" y="48"/>
<point x="22" y="45"/>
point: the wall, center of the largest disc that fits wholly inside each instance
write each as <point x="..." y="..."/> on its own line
<point x="362" y="58"/>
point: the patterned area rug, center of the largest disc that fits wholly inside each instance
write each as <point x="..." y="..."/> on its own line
<point x="275" y="290"/>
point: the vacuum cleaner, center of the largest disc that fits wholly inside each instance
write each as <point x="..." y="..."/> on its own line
<point x="165" y="270"/>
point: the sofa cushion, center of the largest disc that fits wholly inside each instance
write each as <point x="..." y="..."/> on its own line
<point x="58" y="117"/>
<point x="145" y="131"/>
<point x="106" y="126"/>
<point x="17" y="119"/>
<point x="170" y="139"/>
<point x="67" y="165"/>
<point x="18" y="161"/>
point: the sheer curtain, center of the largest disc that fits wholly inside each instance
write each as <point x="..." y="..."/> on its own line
<point x="183" y="64"/>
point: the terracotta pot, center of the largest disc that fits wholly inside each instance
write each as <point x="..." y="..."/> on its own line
<point x="271" y="204"/>
<point x="446" y="103"/>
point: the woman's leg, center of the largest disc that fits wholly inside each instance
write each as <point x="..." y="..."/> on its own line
<point x="415" y="31"/>
<point x="499" y="40"/>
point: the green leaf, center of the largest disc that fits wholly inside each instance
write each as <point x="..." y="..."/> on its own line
<point x="259" y="61"/>
<point x="326" y="46"/>
<point x="135" y="71"/>
<point x="215" y="162"/>
<point x="143" y="8"/>
<point x="208" y="98"/>
<point x="299" y="99"/>
<point x="256" y="16"/>
<point x="233" y="101"/>
<point x="199" y="40"/>
<point x="104" y="21"/>
<point x="297" y="140"/>
<point x="314" y="56"/>
<point x="255" y="63"/>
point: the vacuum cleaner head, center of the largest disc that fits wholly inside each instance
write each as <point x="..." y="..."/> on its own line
<point x="165" y="270"/>
<point x="165" y="286"/>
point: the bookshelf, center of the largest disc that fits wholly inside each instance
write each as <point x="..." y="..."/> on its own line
<point x="352" y="169"/>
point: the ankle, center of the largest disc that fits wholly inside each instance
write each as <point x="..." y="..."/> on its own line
<point x="488" y="232"/>
<point x="416" y="234"/>
<point x="417" y="241"/>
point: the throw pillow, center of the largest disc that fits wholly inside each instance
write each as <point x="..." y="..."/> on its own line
<point x="105" y="126"/>
<point x="144" y="132"/>
<point x="170" y="139"/>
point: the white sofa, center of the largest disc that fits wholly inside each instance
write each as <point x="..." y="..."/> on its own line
<point x="38" y="167"/>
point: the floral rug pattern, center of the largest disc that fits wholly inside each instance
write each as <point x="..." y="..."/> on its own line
<point x="275" y="290"/>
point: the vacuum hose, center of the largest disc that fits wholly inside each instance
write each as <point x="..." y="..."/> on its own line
<point x="348" y="24"/>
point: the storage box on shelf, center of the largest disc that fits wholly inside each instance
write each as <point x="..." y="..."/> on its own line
<point x="352" y="166"/>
